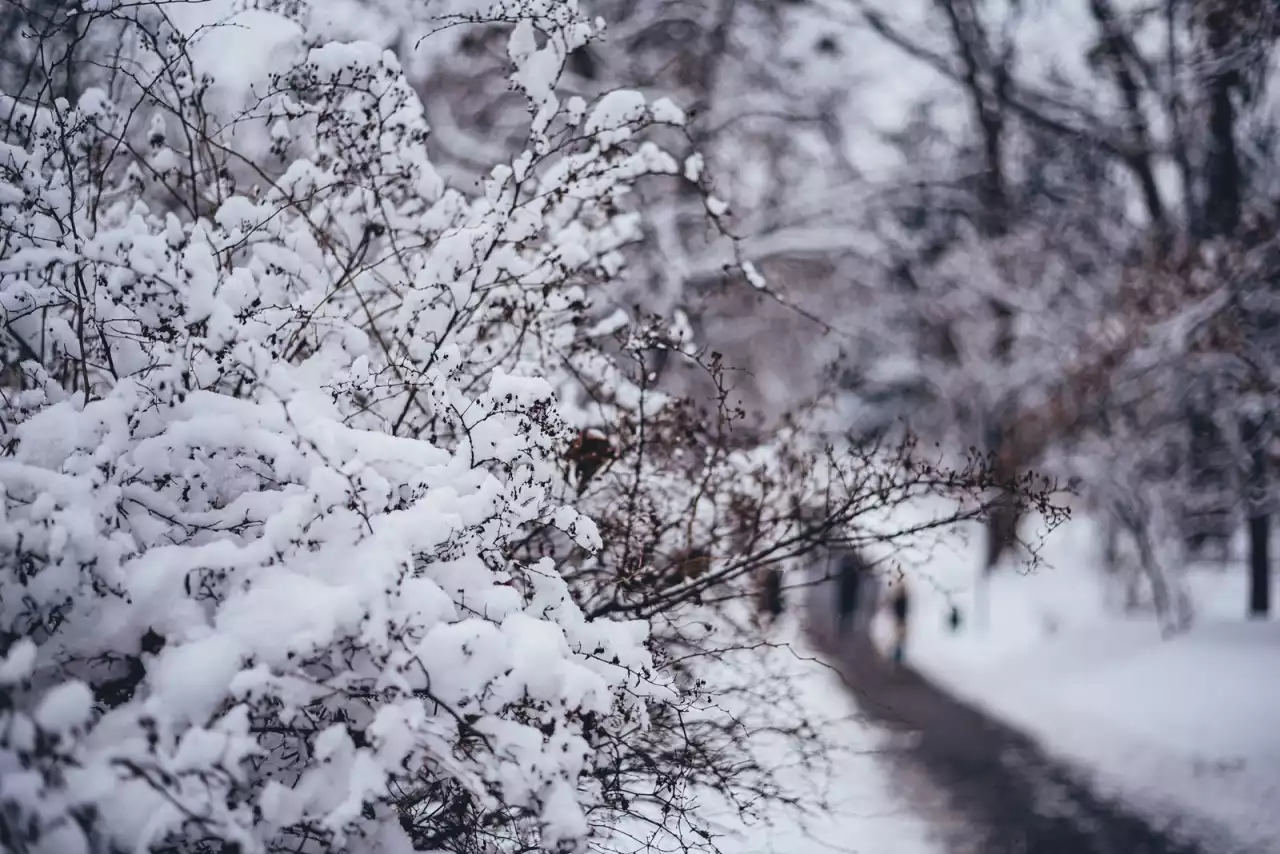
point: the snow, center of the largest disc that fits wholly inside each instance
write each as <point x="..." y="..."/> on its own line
<point x="693" y="166"/>
<point x="754" y="278"/>
<point x="853" y="804"/>
<point x="1185" y="727"/>
<point x="191" y="679"/>
<point x="19" y="661"/>
<point x="65" y="708"/>
<point x="262" y="42"/>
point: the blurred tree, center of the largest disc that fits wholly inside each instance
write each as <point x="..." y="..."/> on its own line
<point x="1120" y="181"/>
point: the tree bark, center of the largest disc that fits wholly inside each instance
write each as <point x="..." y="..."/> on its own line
<point x="1223" y="203"/>
<point x="1259" y="566"/>
<point x="1257" y="485"/>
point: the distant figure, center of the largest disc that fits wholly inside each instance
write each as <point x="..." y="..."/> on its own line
<point x="849" y="577"/>
<point x="771" y="602"/>
<point x="953" y="619"/>
<point x="899" y="609"/>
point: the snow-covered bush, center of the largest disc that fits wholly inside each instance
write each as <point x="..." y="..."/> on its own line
<point x="276" y="405"/>
<point x="296" y="445"/>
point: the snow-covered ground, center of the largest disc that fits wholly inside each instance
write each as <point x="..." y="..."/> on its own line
<point x="852" y="805"/>
<point x="1187" y="727"/>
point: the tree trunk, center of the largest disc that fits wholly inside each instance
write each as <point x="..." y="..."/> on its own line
<point x="1001" y="524"/>
<point x="985" y="77"/>
<point x="1259" y="566"/>
<point x="1162" y="594"/>
<point x="1257" y="484"/>
<point x="1222" y="218"/>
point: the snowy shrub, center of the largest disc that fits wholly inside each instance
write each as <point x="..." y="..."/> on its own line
<point x="297" y="446"/>
<point x="276" y="406"/>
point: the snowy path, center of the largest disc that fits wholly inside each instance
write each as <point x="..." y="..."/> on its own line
<point x="988" y="788"/>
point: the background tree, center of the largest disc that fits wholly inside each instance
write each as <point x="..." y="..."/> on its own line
<point x="1143" y="117"/>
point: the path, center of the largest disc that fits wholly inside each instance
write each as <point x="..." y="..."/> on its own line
<point x="988" y="788"/>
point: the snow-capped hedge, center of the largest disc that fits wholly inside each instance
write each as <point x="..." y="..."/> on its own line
<point x="276" y="404"/>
